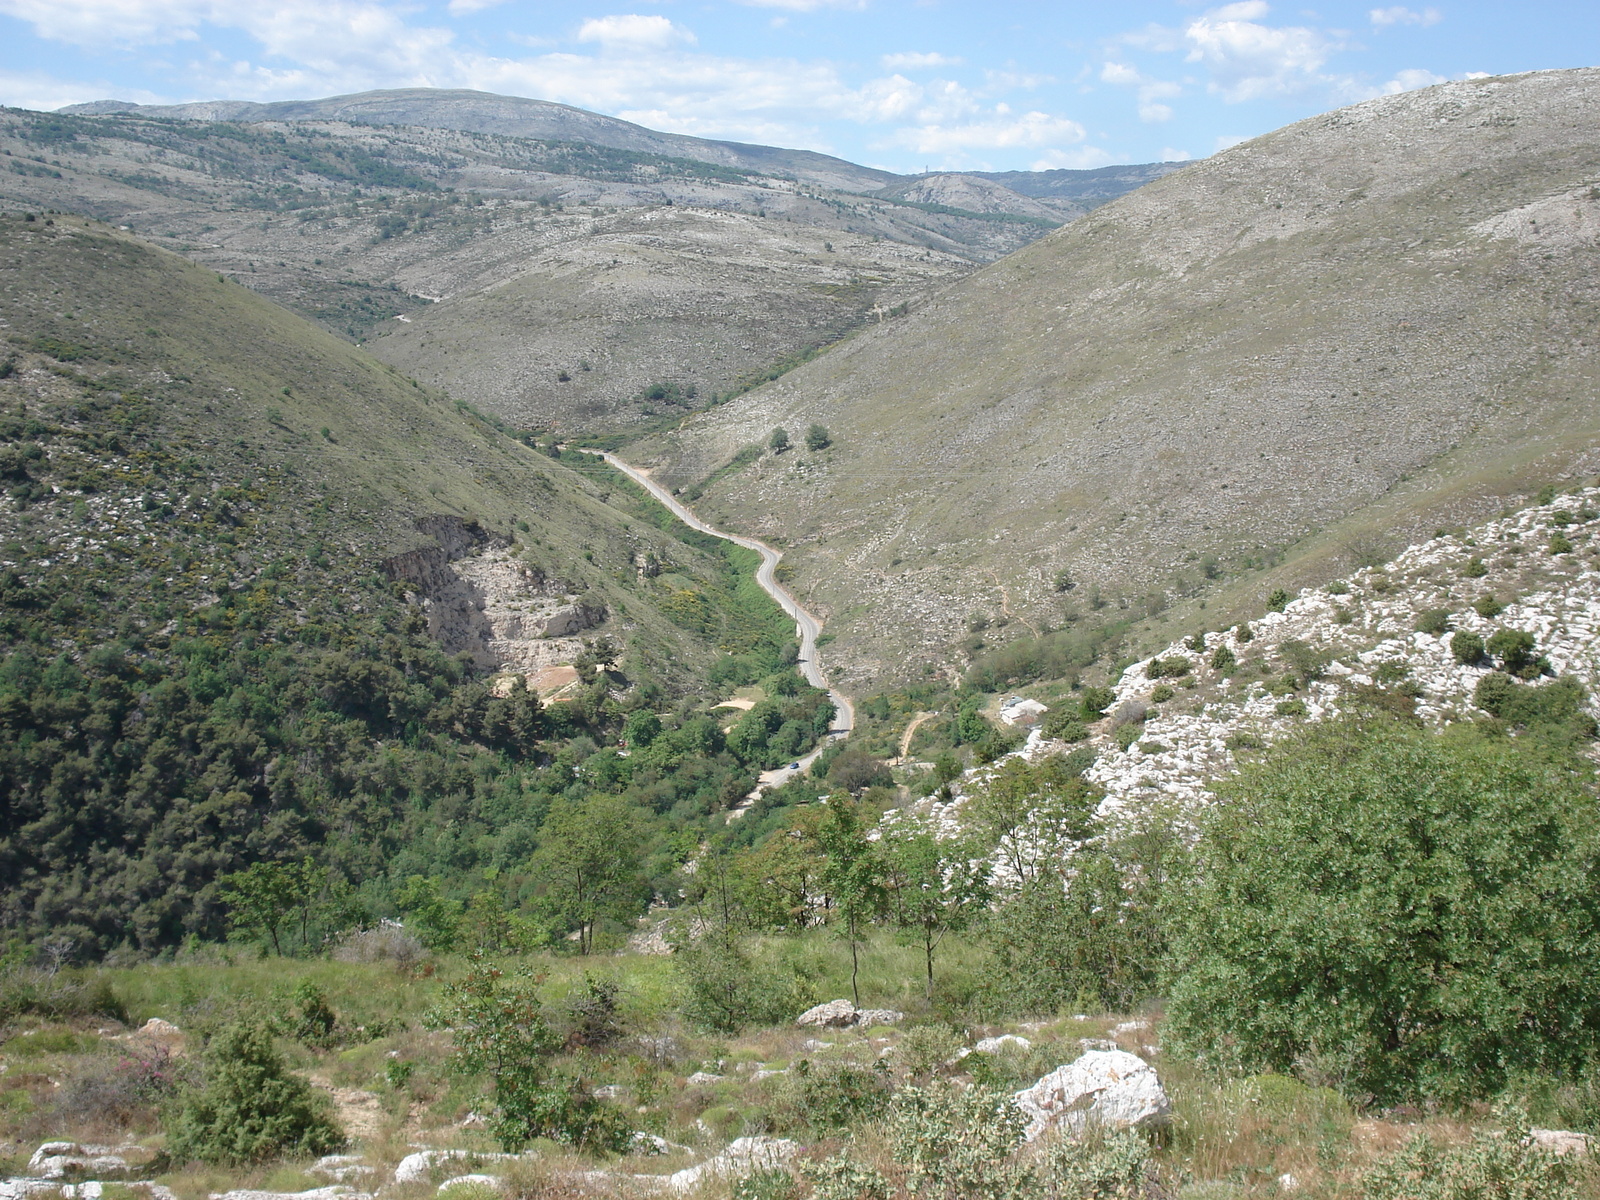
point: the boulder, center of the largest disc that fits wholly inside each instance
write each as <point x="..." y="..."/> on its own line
<point x="744" y="1156"/>
<point x="835" y="1014"/>
<point x="1562" y="1141"/>
<point x="341" y="1168"/>
<point x="57" y="1160"/>
<point x="878" y="1016"/>
<point x="841" y="1014"/>
<point x="414" y="1168"/>
<point x="1109" y="1088"/>
<point x="702" y="1079"/>
<point x="993" y="1045"/>
<point x="156" y="1027"/>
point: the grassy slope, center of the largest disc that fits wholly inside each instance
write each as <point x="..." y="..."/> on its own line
<point x="1300" y="351"/>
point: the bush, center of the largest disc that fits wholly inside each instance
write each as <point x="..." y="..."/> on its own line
<point x="956" y="1142"/>
<point x="1174" y="667"/>
<point x="1467" y="647"/>
<point x="834" y="1094"/>
<point x="1290" y="708"/>
<point x="1495" y="1165"/>
<point x="499" y="1030"/>
<point x="1404" y="913"/>
<point x="724" y="989"/>
<point x="1222" y="658"/>
<point x="1515" y="650"/>
<point x="1434" y="621"/>
<point x="817" y="438"/>
<point x="1278" y="600"/>
<point x="389" y="942"/>
<point x="1475" y="568"/>
<point x="1063" y="725"/>
<point x="249" y="1108"/>
<point x="1161" y="693"/>
<point x="1555" y="708"/>
<point x="1093" y="702"/>
<point x="57" y="994"/>
<point x="1560" y="544"/>
<point x="1245" y="634"/>
<point x="1126" y="735"/>
<point x="1487" y="607"/>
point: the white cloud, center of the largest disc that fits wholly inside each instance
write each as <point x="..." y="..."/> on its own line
<point x="912" y="61"/>
<point x="1399" y="15"/>
<point x="1168" y="154"/>
<point x="461" y="8"/>
<point x="1248" y="60"/>
<point x="1227" y="141"/>
<point x="1000" y="131"/>
<point x="1151" y="91"/>
<point x="633" y="30"/>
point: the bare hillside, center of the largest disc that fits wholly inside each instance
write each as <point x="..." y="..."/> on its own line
<point x="1343" y="334"/>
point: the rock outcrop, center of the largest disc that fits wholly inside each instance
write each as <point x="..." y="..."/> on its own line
<point x="1109" y="1088"/>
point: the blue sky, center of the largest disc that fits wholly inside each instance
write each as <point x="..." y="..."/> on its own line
<point x="902" y="84"/>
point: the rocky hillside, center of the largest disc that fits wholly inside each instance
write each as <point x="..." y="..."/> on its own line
<point x="585" y="259"/>
<point x="1258" y="371"/>
<point x="1419" y="635"/>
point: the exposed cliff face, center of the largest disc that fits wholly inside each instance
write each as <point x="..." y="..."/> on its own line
<point x="482" y="600"/>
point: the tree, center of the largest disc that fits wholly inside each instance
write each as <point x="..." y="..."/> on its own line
<point x="1033" y="814"/>
<point x="1411" y="914"/>
<point x="587" y="862"/>
<point x="249" y="1108"/>
<point x="779" y="441"/>
<point x="498" y="1029"/>
<point x="817" y="438"/>
<point x="937" y="885"/>
<point x="434" y="919"/>
<point x="266" y="896"/>
<point x="850" y="875"/>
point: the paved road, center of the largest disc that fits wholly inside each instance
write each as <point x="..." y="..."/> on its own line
<point x="806" y="625"/>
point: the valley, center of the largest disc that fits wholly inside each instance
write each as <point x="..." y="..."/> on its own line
<point x="542" y="658"/>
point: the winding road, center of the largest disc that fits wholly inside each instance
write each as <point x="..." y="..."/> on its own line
<point x="806" y="625"/>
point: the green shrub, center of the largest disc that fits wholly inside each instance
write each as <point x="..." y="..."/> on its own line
<point x="1127" y="735"/>
<point x="1434" y="621"/>
<point x="1555" y="708"/>
<point x="1093" y="702"/>
<point x="1307" y="662"/>
<point x="1222" y="658"/>
<point x="1495" y="1165"/>
<point x="1244" y="634"/>
<point x="1475" y="568"/>
<point x="839" y="1177"/>
<point x="1063" y="725"/>
<point x="1174" y="667"/>
<point x="498" y="1030"/>
<point x="1467" y="647"/>
<point x="1161" y="693"/>
<point x="248" y="1108"/>
<point x="1338" y="588"/>
<point x="1290" y="708"/>
<point x="1097" y="1167"/>
<point x="723" y="988"/>
<point x="1560" y="543"/>
<point x="1406" y="914"/>
<point x="835" y="1094"/>
<point x="817" y="438"/>
<point x="1515" y="650"/>
<point x="955" y="1142"/>
<point x="1278" y="600"/>
<point x="1487" y="606"/>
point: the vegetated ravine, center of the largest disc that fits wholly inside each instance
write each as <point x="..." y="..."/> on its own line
<point x="807" y="626"/>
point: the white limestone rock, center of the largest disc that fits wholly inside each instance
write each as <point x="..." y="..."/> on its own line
<point x="994" y="1045"/>
<point x="835" y="1014"/>
<point x="744" y="1156"/>
<point x="1110" y="1088"/>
